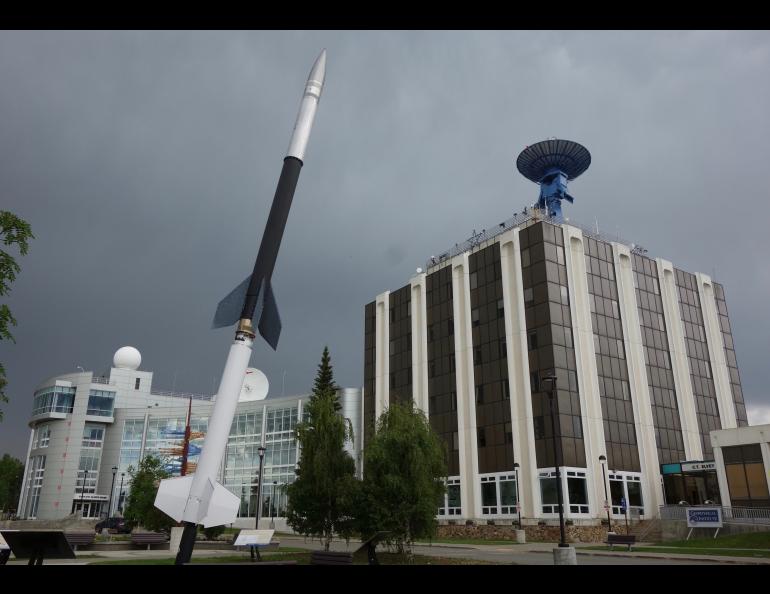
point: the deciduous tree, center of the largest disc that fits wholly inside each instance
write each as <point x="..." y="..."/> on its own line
<point x="140" y="506"/>
<point x="13" y="231"/>
<point x="404" y="471"/>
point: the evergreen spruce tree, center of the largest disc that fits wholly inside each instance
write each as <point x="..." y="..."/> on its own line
<point x="322" y="496"/>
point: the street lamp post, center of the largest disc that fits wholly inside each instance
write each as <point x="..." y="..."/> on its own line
<point x="607" y="502"/>
<point x="518" y="501"/>
<point x="551" y="379"/>
<point x="120" y="494"/>
<point x="261" y="452"/>
<point x="112" y="491"/>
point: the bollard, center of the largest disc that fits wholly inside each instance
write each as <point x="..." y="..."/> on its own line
<point x="564" y="556"/>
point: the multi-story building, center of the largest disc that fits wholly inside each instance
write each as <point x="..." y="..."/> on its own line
<point x="641" y="351"/>
<point x="86" y="431"/>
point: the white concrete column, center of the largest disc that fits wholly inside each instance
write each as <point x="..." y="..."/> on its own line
<point x="585" y="357"/>
<point x="716" y="349"/>
<point x="382" y="354"/>
<point x="522" y="425"/>
<point x="719" y="460"/>
<point x="680" y="365"/>
<point x="419" y="342"/>
<point x="470" y="488"/>
<point x="652" y="491"/>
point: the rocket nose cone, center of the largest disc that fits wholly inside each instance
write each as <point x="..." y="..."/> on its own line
<point x="318" y="73"/>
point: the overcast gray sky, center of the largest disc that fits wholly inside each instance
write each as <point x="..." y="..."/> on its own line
<point x="146" y="163"/>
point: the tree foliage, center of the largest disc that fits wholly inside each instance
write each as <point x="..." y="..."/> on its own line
<point x="404" y="471"/>
<point x="321" y="498"/>
<point x="13" y="231"/>
<point x="140" y="506"/>
<point x="11" y="479"/>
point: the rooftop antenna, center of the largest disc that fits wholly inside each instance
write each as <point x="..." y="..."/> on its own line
<point x="551" y="164"/>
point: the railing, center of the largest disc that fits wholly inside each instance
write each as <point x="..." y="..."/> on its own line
<point x="102" y="380"/>
<point x="517" y="220"/>
<point x="730" y="515"/>
<point x="186" y="395"/>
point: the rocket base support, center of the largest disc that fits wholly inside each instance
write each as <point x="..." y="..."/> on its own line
<point x="187" y="544"/>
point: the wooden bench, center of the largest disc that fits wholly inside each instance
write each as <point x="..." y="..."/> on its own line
<point x="79" y="538"/>
<point x="346" y="558"/>
<point x="148" y="538"/>
<point x="621" y="539"/>
<point x="331" y="558"/>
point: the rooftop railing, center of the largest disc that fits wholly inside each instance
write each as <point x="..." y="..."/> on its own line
<point x="186" y="395"/>
<point x="519" y="220"/>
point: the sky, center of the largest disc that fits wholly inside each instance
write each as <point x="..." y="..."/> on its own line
<point x="146" y="163"/>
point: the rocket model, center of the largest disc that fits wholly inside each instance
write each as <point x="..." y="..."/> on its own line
<point x="198" y="498"/>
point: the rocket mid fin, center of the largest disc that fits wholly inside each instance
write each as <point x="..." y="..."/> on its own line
<point x="217" y="506"/>
<point x="222" y="509"/>
<point x="172" y="496"/>
<point x="229" y="309"/>
<point x="269" y="319"/>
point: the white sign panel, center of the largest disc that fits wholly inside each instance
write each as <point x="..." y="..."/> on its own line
<point x="250" y="538"/>
<point x="704" y="517"/>
<point x="698" y="466"/>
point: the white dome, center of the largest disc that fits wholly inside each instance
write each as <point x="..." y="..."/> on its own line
<point x="127" y="357"/>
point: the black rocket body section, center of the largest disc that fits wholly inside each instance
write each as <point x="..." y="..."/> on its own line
<point x="271" y="239"/>
<point x="254" y="297"/>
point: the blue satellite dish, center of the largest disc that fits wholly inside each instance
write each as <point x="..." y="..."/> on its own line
<point x="537" y="160"/>
<point x="551" y="164"/>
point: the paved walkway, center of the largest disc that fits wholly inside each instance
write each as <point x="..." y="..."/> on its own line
<point x="536" y="553"/>
<point x="540" y="553"/>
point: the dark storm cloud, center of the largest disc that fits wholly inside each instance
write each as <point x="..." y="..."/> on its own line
<point x="146" y="163"/>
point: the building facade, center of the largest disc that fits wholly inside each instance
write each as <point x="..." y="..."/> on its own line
<point x="86" y="431"/>
<point x="641" y="351"/>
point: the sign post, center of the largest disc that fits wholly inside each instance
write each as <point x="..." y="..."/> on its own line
<point x="704" y="517"/>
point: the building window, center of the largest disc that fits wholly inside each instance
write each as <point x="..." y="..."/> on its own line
<point x="498" y="494"/>
<point x="54" y="399"/>
<point x="452" y="505"/>
<point x="480" y="394"/>
<point x="136" y="384"/>
<point x="532" y="340"/>
<point x="42" y="437"/>
<point x="746" y="479"/>
<point x="482" y="437"/>
<point x="100" y="403"/>
<point x="34" y="485"/>
<point x="475" y="318"/>
<point x="575" y="494"/>
<point x="529" y="295"/>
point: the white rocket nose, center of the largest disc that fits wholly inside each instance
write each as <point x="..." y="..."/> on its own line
<point x="318" y="72"/>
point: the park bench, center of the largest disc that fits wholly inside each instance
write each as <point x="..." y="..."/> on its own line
<point x="148" y="538"/>
<point x="76" y="539"/>
<point x="621" y="539"/>
<point x="346" y="558"/>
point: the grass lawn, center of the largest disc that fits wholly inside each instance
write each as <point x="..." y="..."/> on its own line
<point x="747" y="540"/>
<point x="749" y="544"/>
<point x="688" y="551"/>
<point x="302" y="558"/>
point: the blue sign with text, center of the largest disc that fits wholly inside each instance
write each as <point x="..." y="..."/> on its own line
<point x="704" y="517"/>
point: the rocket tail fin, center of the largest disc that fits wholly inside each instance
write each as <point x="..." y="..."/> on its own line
<point x="217" y="507"/>
<point x="229" y="309"/>
<point x="269" y="319"/>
